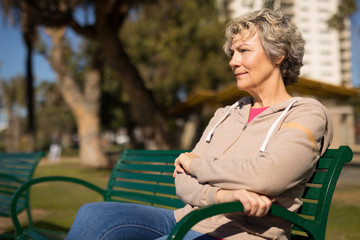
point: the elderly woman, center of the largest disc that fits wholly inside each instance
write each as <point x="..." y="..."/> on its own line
<point x="259" y="151"/>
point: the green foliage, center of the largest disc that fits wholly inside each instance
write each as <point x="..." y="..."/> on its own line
<point x="345" y="10"/>
<point x="177" y="45"/>
<point x="13" y="100"/>
<point x="53" y="115"/>
<point x="112" y="102"/>
<point x="13" y="91"/>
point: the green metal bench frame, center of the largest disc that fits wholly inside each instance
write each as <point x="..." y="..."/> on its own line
<point x="145" y="177"/>
<point x="16" y="169"/>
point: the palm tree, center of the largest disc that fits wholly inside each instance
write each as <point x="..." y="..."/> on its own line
<point x="345" y="10"/>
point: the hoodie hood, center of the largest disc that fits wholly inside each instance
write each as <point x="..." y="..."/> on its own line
<point x="284" y="107"/>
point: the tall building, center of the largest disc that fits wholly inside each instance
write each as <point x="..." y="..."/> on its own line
<point x="328" y="51"/>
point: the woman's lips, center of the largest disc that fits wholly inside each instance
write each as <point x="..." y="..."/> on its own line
<point x="240" y="74"/>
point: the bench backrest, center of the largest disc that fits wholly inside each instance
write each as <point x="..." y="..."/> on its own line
<point x="15" y="169"/>
<point x="319" y="190"/>
<point x="145" y="177"/>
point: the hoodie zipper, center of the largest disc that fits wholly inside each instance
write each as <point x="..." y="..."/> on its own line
<point x="245" y="126"/>
<point x="247" y="121"/>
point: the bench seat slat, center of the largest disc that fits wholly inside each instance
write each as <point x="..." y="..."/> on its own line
<point x="146" y="199"/>
<point x="146" y="153"/>
<point x="5" y="207"/>
<point x="4" y="203"/>
<point x="21" y="177"/>
<point x="308" y="209"/>
<point x="12" y="161"/>
<point x="312" y="193"/>
<point x="147" y="167"/>
<point x="153" y="159"/>
<point x="15" y="169"/>
<point x="146" y="187"/>
<point x="165" y="160"/>
<point x="6" y="192"/>
<point x="318" y="177"/>
<point x="144" y="177"/>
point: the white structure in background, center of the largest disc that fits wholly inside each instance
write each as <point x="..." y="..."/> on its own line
<point x="3" y="117"/>
<point x="328" y="51"/>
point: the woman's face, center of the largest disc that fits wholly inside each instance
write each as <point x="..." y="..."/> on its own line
<point x="250" y="64"/>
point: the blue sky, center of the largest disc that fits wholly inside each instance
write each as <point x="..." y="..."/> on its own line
<point x="13" y="55"/>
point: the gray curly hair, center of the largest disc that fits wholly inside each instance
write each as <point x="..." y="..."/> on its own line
<point x="279" y="38"/>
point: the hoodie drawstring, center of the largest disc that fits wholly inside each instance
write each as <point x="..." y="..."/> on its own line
<point x="211" y="132"/>
<point x="272" y="128"/>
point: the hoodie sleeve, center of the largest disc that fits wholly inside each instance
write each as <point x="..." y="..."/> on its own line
<point x="188" y="189"/>
<point x="288" y="160"/>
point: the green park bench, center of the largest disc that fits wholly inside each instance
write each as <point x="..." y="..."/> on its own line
<point x="145" y="177"/>
<point x="15" y="169"/>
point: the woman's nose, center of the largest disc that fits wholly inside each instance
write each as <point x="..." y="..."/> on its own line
<point x="235" y="60"/>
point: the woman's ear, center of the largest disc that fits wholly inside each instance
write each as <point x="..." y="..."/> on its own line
<point x="280" y="59"/>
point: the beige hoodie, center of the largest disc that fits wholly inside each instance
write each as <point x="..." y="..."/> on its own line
<point x="274" y="154"/>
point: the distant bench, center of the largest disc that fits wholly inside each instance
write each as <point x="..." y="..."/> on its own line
<point x="145" y="177"/>
<point x="15" y="169"/>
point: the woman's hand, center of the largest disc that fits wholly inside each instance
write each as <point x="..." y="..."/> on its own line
<point x="182" y="163"/>
<point x="255" y="205"/>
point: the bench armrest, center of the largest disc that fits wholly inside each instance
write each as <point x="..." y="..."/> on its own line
<point x="26" y="186"/>
<point x="192" y="218"/>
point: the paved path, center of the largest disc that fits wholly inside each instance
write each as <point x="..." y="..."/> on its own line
<point x="350" y="175"/>
<point x="351" y="172"/>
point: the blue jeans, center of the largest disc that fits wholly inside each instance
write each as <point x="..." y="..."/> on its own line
<point x="116" y="221"/>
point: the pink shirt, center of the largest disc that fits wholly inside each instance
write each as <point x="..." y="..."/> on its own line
<point x="255" y="111"/>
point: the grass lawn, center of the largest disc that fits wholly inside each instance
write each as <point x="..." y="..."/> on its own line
<point x="344" y="216"/>
<point x="55" y="204"/>
<point x="61" y="200"/>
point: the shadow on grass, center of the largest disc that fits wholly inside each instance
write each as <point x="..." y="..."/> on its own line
<point x="48" y="230"/>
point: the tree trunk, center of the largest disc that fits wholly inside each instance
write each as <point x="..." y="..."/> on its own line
<point x="29" y="36"/>
<point x="143" y="108"/>
<point x="90" y="150"/>
<point x="30" y="132"/>
<point x="84" y="105"/>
